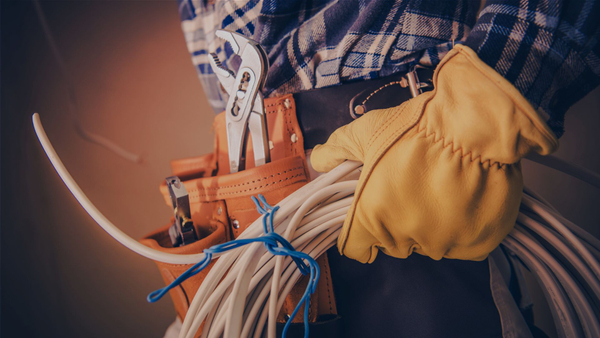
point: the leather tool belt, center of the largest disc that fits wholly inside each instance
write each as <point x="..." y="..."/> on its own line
<point x="221" y="209"/>
<point x="220" y="202"/>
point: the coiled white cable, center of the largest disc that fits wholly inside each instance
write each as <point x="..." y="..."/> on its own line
<point x="582" y="306"/>
<point x="246" y="287"/>
<point x="561" y="308"/>
<point x="561" y="247"/>
<point x="318" y="224"/>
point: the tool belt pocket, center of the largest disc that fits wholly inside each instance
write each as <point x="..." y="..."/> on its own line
<point x="221" y="207"/>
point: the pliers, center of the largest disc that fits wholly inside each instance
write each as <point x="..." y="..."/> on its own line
<point x="245" y="109"/>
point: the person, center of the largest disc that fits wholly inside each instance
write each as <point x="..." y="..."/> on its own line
<point x="506" y="73"/>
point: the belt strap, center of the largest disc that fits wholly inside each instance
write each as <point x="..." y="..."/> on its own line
<point x="321" y="111"/>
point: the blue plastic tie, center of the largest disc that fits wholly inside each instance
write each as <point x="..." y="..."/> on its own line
<point x="192" y="9"/>
<point x="275" y="244"/>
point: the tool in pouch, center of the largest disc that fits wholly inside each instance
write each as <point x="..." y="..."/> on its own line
<point x="182" y="231"/>
<point x="244" y="111"/>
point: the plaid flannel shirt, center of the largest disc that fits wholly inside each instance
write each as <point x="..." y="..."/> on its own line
<point x="547" y="49"/>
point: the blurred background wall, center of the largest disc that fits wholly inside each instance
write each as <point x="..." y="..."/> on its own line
<point x="61" y="274"/>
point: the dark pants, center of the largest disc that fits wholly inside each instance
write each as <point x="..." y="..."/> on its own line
<point x="414" y="297"/>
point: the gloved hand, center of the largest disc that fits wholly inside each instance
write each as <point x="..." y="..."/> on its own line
<point x="441" y="174"/>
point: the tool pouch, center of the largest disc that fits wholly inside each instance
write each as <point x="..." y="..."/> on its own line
<point x="221" y="206"/>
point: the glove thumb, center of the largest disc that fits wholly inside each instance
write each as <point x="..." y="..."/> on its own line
<point x="344" y="144"/>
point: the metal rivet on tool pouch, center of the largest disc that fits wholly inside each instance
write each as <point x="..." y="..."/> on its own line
<point x="235" y="223"/>
<point x="219" y="211"/>
<point x="287" y="103"/>
<point x="294" y="138"/>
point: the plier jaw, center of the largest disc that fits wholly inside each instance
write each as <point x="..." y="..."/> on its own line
<point x="244" y="112"/>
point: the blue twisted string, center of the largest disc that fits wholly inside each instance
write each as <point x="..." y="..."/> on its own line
<point x="275" y="244"/>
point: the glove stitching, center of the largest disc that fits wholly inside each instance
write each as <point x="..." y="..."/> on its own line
<point x="442" y="139"/>
<point x="381" y="130"/>
<point x="398" y="132"/>
<point x="394" y="135"/>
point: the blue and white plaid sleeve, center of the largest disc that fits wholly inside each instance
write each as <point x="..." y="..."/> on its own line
<point x="548" y="49"/>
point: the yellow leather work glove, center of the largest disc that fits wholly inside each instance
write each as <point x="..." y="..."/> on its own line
<point x="441" y="173"/>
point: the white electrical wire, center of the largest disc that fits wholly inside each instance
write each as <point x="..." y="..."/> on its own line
<point x="564" y="316"/>
<point x="564" y="249"/>
<point x="582" y="306"/>
<point x="307" y="233"/>
<point x="123" y="238"/>
<point x="91" y="209"/>
<point x="247" y="286"/>
<point x="564" y="231"/>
